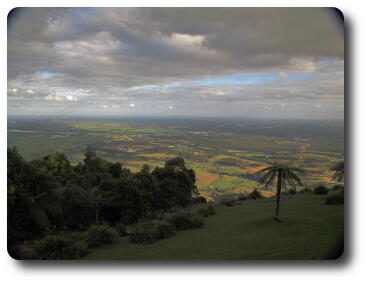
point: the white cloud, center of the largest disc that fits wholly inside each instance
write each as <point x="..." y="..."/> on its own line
<point x="12" y="90"/>
<point x="170" y="107"/>
<point x="282" y="74"/>
<point x="306" y="65"/>
<point x="71" y="98"/>
<point x="59" y="98"/>
<point x="132" y="105"/>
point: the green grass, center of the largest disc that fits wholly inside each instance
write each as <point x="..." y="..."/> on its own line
<point x="310" y="230"/>
<point x="234" y="183"/>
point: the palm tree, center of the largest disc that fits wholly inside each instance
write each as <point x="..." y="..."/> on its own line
<point x="339" y="171"/>
<point x="284" y="174"/>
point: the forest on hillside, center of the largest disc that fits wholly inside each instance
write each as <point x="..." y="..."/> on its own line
<point x="50" y="196"/>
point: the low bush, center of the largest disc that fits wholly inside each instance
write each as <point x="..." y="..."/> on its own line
<point x="165" y="229"/>
<point x="63" y="246"/>
<point x="292" y="191"/>
<point x="306" y="191"/>
<point x="121" y="229"/>
<point x="228" y="202"/>
<point x="206" y="209"/>
<point x="100" y="235"/>
<point x="338" y="187"/>
<point x="255" y="194"/>
<point x="181" y="220"/>
<point x="144" y="233"/>
<point x="242" y="197"/>
<point x="150" y="232"/>
<point x="335" y="198"/>
<point x="199" y="199"/>
<point x="321" y="190"/>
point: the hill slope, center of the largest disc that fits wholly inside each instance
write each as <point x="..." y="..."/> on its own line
<point x="311" y="230"/>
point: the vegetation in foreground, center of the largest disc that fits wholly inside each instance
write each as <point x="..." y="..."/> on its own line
<point x="49" y="196"/>
<point x="310" y="230"/>
<point x="70" y="209"/>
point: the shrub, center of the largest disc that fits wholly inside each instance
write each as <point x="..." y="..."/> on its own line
<point x="292" y="191"/>
<point x="206" y="209"/>
<point x="150" y="232"/>
<point x="255" y="194"/>
<point x="338" y="187"/>
<point x="199" y="199"/>
<point x="306" y="191"/>
<point x="321" y="190"/>
<point x="242" y="197"/>
<point x="165" y="229"/>
<point x="144" y="233"/>
<point x="335" y="198"/>
<point x="121" y="229"/>
<point x="100" y="235"/>
<point x="64" y="246"/>
<point x="183" y="221"/>
<point x="228" y="202"/>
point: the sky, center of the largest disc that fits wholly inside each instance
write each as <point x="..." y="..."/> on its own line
<point x="218" y="62"/>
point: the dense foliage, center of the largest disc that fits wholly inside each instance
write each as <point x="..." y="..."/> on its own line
<point x="150" y="232"/>
<point x="206" y="209"/>
<point x="49" y="195"/>
<point x="63" y="246"/>
<point x="255" y="194"/>
<point x="321" y="190"/>
<point x="100" y="235"/>
<point x="182" y="220"/>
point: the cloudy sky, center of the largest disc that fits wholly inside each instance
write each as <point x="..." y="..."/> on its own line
<point x="248" y="62"/>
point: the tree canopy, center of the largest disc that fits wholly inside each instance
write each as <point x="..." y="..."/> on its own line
<point x="50" y="194"/>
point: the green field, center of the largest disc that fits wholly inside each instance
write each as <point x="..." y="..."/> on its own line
<point x="230" y="156"/>
<point x="311" y="230"/>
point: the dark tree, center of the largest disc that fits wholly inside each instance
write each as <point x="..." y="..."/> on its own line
<point x="284" y="174"/>
<point x="33" y="199"/>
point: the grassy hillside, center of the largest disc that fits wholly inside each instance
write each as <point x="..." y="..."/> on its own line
<point x="311" y="230"/>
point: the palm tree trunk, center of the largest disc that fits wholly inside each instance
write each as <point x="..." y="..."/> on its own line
<point x="279" y="187"/>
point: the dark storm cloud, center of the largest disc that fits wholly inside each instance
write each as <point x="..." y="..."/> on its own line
<point x="103" y="57"/>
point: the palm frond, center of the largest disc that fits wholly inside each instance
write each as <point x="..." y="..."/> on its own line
<point x="268" y="177"/>
<point x="339" y="171"/>
<point x="288" y="174"/>
<point x="266" y="169"/>
<point x="293" y="177"/>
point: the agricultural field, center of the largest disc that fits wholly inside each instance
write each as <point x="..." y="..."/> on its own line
<point x="225" y="154"/>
